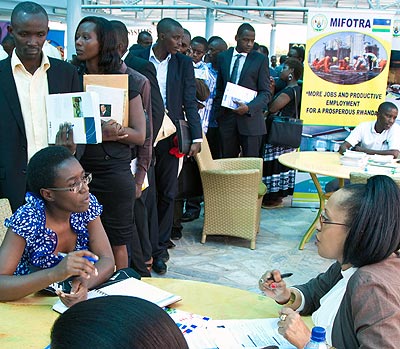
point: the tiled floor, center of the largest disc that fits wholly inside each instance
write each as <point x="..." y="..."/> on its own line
<point x="230" y="262"/>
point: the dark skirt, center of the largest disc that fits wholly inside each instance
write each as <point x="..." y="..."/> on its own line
<point x="114" y="186"/>
<point x="279" y="179"/>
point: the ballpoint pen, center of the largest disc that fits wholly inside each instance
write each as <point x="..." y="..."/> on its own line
<point x="271" y="278"/>
<point x="90" y="259"/>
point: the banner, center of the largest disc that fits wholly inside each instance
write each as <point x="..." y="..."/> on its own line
<point x="346" y="66"/>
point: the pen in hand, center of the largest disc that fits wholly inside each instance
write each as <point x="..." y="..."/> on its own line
<point x="283" y="276"/>
<point x="271" y="278"/>
<point x="90" y="259"/>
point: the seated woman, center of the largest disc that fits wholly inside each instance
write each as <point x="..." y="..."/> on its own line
<point x="50" y="237"/>
<point x="125" y="323"/>
<point x="357" y="299"/>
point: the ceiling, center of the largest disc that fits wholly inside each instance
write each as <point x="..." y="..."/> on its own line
<point x="262" y="11"/>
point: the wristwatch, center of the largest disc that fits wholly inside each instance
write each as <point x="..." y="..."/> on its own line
<point x="291" y="300"/>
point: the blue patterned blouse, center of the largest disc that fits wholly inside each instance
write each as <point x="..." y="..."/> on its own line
<point x="29" y="222"/>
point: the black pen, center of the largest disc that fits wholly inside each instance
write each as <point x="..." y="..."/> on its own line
<point x="285" y="275"/>
<point x="271" y="278"/>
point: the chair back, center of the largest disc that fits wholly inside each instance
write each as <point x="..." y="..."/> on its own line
<point x="5" y="212"/>
<point x="362" y="177"/>
<point x="204" y="158"/>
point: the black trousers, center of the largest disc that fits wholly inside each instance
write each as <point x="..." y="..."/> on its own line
<point x="166" y="172"/>
<point x="233" y="143"/>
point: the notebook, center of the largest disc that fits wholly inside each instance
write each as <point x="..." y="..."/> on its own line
<point x="184" y="136"/>
<point x="129" y="287"/>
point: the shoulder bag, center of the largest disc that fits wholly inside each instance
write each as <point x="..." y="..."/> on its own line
<point x="285" y="131"/>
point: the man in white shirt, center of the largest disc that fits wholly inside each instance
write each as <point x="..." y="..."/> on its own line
<point x="242" y="129"/>
<point x="27" y="77"/>
<point x="380" y="137"/>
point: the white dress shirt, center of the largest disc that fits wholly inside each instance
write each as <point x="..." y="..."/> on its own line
<point x="32" y="91"/>
<point x="241" y="63"/>
<point x="162" y="71"/>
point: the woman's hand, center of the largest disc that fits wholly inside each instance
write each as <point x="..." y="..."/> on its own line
<point x="293" y="328"/>
<point x="273" y="286"/>
<point x="65" y="137"/>
<point x="74" y="264"/>
<point x="112" y="131"/>
<point x="78" y="293"/>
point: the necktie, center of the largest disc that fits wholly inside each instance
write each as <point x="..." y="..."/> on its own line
<point x="235" y="70"/>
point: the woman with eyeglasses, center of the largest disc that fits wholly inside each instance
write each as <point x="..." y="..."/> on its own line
<point x="357" y="300"/>
<point x="56" y="233"/>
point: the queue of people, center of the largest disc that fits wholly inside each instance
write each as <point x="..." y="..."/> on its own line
<point x="72" y="203"/>
<point x="140" y="235"/>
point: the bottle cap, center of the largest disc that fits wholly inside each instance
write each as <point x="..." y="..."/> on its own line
<point x="318" y="334"/>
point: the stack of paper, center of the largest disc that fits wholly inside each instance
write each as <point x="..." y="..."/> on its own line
<point x="237" y="334"/>
<point x="354" y="158"/>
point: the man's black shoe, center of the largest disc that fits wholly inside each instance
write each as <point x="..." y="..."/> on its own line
<point x="176" y="234"/>
<point x="159" y="266"/>
<point x="189" y="216"/>
<point x="164" y="256"/>
<point x="170" y="244"/>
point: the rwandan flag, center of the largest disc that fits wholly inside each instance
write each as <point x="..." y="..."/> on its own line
<point x="381" y="25"/>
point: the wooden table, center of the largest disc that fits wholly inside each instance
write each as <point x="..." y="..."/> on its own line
<point x="27" y="323"/>
<point x="322" y="163"/>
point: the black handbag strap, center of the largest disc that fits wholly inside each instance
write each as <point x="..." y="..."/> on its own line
<point x="295" y="102"/>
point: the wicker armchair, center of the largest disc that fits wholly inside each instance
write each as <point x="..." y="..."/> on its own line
<point x="5" y="212"/>
<point x="362" y="177"/>
<point x="233" y="192"/>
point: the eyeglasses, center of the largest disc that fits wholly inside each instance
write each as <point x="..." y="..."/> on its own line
<point x="77" y="186"/>
<point x="325" y="220"/>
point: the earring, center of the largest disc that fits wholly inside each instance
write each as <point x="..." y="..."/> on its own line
<point x="290" y="76"/>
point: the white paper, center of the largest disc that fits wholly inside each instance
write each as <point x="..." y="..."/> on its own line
<point x="239" y="334"/>
<point x="130" y="287"/>
<point x="81" y="110"/>
<point x="234" y="94"/>
<point x="133" y="171"/>
<point x="111" y="100"/>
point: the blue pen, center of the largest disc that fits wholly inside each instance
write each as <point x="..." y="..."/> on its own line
<point x="91" y="259"/>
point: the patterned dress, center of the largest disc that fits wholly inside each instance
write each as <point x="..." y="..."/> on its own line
<point x="280" y="179"/>
<point x="29" y="222"/>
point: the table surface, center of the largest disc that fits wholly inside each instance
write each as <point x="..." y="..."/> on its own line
<point x="27" y="323"/>
<point x="323" y="163"/>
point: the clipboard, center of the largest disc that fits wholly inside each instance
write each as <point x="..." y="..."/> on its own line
<point x="111" y="80"/>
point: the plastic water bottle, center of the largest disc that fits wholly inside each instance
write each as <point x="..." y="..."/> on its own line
<point x="318" y="339"/>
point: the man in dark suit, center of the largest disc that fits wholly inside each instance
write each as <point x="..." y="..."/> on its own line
<point x="175" y="77"/>
<point x="242" y="129"/>
<point x="27" y="76"/>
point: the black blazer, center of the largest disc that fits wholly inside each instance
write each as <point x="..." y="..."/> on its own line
<point x="255" y="76"/>
<point x="181" y="90"/>
<point x="146" y="68"/>
<point x="62" y="77"/>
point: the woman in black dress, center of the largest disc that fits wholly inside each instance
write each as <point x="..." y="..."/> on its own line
<point x="113" y="183"/>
